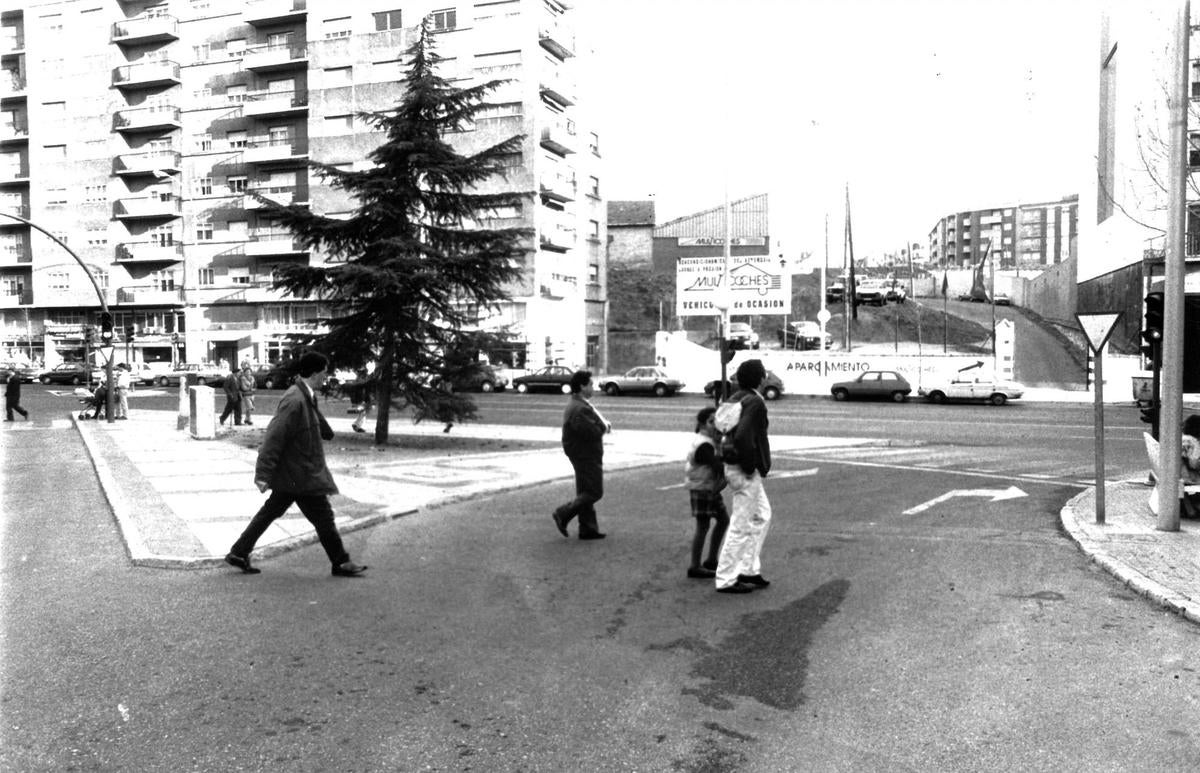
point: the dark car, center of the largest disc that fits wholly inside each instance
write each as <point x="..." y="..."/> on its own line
<point x="552" y="378"/>
<point x="74" y="373"/>
<point x="276" y="375"/>
<point x="873" y="385"/>
<point x="803" y="336"/>
<point x="771" y="387"/>
<point x="481" y="379"/>
<point x="26" y="373"/>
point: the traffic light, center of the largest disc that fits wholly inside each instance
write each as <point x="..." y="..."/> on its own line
<point x="130" y="332"/>
<point x="106" y="328"/>
<point x="727" y="351"/>
<point x="1152" y="327"/>
<point x="89" y="334"/>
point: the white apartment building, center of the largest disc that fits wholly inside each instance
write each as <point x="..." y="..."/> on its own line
<point x="134" y="131"/>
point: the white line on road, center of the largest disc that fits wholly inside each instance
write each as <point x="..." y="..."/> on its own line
<point x="996" y="495"/>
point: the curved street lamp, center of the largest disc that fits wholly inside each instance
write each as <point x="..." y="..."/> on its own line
<point x="108" y="365"/>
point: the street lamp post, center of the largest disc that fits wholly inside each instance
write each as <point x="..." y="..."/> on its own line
<point x="105" y="314"/>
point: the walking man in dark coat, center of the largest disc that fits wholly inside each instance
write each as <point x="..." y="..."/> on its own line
<point x="12" y="396"/>
<point x="583" y="442"/>
<point x="291" y="463"/>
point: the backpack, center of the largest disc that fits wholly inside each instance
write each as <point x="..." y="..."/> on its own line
<point x="726" y="420"/>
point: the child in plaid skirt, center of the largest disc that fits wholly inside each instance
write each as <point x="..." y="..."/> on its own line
<point x="704" y="482"/>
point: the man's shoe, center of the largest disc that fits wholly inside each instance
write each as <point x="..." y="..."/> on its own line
<point x="700" y="573"/>
<point x="737" y="587"/>
<point x="559" y="522"/>
<point x="593" y="535"/>
<point x="357" y="428"/>
<point x="710" y="565"/>
<point x="241" y="562"/>
<point x="348" y="569"/>
<point x="757" y="580"/>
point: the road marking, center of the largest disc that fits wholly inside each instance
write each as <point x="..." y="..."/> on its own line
<point x="772" y="476"/>
<point x="997" y="495"/>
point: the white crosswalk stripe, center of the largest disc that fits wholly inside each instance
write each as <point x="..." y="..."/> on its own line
<point x="981" y="460"/>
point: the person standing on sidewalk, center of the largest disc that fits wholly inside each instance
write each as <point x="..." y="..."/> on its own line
<point x="744" y="419"/>
<point x="291" y="463"/>
<point x="123" y="378"/>
<point x="246" y="392"/>
<point x="233" y="399"/>
<point x="704" y="480"/>
<point x="12" y="396"/>
<point x="583" y="442"/>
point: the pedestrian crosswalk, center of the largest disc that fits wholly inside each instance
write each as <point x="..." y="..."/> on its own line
<point x="22" y="425"/>
<point x="989" y="461"/>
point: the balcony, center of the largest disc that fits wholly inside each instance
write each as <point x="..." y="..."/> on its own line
<point x="559" y="138"/>
<point x="266" y="13"/>
<point x="557" y="238"/>
<point x="279" y="194"/>
<point x="146" y="119"/>
<point x="148" y="252"/>
<point x="273" y="241"/>
<point x="157" y="164"/>
<point x="14" y="46"/>
<point x="17" y="254"/>
<point x="146" y="75"/>
<point x="146" y="29"/>
<point x="150" y="296"/>
<point x="147" y="207"/>
<point x="261" y="104"/>
<point x="558" y="89"/>
<point x="14" y="133"/>
<point x="20" y="210"/>
<point x="22" y="298"/>
<point x="12" y="85"/>
<point x="266" y="151"/>
<point x="279" y="57"/>
<point x="557" y="38"/>
<point x="558" y="187"/>
<point x="16" y="176"/>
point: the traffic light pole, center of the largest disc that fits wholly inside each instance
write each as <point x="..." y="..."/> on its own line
<point x="104" y="312"/>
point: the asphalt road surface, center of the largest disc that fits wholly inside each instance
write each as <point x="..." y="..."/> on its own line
<point x="912" y="624"/>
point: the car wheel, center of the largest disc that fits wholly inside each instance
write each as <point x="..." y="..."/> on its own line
<point x="612" y="390"/>
<point x="269" y="383"/>
<point x="660" y="390"/>
<point x="998" y="399"/>
<point x="486" y="387"/>
<point x="46" y="380"/>
<point x="565" y="389"/>
<point x="162" y="381"/>
<point x="898" y="397"/>
<point x="76" y="381"/>
<point x="841" y="395"/>
<point x="522" y="388"/>
<point x="771" y="393"/>
<point x="937" y="397"/>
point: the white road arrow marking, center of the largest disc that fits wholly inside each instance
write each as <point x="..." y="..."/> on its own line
<point x="996" y="495"/>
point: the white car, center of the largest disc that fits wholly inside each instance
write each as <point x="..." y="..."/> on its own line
<point x="966" y="387"/>
<point x="742" y="336"/>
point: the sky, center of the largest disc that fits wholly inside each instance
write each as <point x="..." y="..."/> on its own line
<point x="921" y="108"/>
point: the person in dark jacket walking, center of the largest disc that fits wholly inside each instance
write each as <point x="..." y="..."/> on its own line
<point x="12" y="396"/>
<point x="233" y="398"/>
<point x="291" y="463"/>
<point x="738" y="567"/>
<point x="583" y="442"/>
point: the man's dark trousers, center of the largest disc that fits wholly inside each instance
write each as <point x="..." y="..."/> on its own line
<point x="11" y="405"/>
<point x="589" y="489"/>
<point x="316" y="509"/>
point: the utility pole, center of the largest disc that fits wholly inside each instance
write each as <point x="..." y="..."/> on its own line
<point x="1171" y="412"/>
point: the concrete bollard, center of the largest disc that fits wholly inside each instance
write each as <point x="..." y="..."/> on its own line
<point x="203" y="413"/>
<point x="183" y="421"/>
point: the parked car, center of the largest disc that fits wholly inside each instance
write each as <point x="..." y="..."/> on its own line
<point x="835" y="293"/>
<point x="148" y="372"/>
<point x="195" y="372"/>
<point x="896" y="294"/>
<point x="275" y="375"/>
<point x="963" y="387"/>
<point x="647" y="379"/>
<point x="25" y="372"/>
<point x="74" y="373"/>
<point x="742" y="336"/>
<point x="873" y="384"/>
<point x="803" y="336"/>
<point x="552" y="378"/>
<point x="482" y="379"/>
<point x="1001" y="299"/>
<point x="771" y="388"/>
<point x="870" y="294"/>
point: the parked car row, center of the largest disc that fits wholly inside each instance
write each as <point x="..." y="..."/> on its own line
<point x="890" y="385"/>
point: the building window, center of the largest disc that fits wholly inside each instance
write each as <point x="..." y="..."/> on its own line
<point x="235" y="94"/>
<point x="336" y="28"/>
<point x="202" y="52"/>
<point x="203" y="143"/>
<point x="236" y="139"/>
<point x="58" y="280"/>
<point x="235" y="48"/>
<point x="594" y="182"/>
<point x="444" y="20"/>
<point x="594" y="143"/>
<point x="204" y="232"/>
<point x="94" y="193"/>
<point x="163" y="280"/>
<point x="56" y="196"/>
<point x="339" y="123"/>
<point x="202" y="96"/>
<point x="56" y="152"/>
<point x="204" y="276"/>
<point x="203" y="186"/>
<point x="338" y="76"/>
<point x="387" y="20"/>
<point x="236" y="184"/>
<point x="594" y="229"/>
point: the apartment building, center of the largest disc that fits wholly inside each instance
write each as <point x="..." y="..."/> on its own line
<point x="1027" y="236"/>
<point x="135" y="130"/>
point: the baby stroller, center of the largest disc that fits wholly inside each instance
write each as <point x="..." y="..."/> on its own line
<point x="91" y="403"/>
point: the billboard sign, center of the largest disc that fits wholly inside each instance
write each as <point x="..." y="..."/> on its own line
<point x="758" y="285"/>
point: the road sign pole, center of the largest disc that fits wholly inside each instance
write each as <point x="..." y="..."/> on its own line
<point x="1097" y="327"/>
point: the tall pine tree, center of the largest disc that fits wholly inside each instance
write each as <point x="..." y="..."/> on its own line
<point x="413" y="265"/>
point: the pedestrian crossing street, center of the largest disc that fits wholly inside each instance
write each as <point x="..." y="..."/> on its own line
<point x="985" y="461"/>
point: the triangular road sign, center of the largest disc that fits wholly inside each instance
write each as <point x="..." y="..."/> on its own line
<point x="1098" y="327"/>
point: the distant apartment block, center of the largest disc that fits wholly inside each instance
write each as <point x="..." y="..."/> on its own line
<point x="136" y="130"/>
<point x="1032" y="236"/>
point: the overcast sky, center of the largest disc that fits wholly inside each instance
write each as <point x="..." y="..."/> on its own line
<point x="923" y="108"/>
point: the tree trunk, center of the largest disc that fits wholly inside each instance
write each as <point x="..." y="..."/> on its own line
<point x="383" y="389"/>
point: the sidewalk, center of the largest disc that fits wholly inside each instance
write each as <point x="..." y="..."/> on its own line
<point x="180" y="503"/>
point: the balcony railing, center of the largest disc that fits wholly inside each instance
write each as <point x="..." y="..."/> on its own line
<point x="558" y="89"/>
<point x="148" y="252"/>
<point x="274" y="150"/>
<point x="164" y="206"/>
<point x="149" y="295"/>
<point x="264" y="103"/>
<point x="268" y="12"/>
<point x="14" y="133"/>
<point x="279" y="194"/>
<point x="274" y="57"/>
<point x="557" y="38"/>
<point x="558" y="187"/>
<point x="13" y="46"/>
<point x="146" y="29"/>
<point x="20" y="210"/>
<point x="158" y="163"/>
<point x="273" y="241"/>
<point x="11" y="84"/>
<point x="10" y="176"/>
<point x="559" y="137"/>
<point x="146" y="74"/>
<point x="15" y="254"/>
<point x="22" y="298"/>
<point x="557" y="237"/>
<point x="146" y="118"/>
